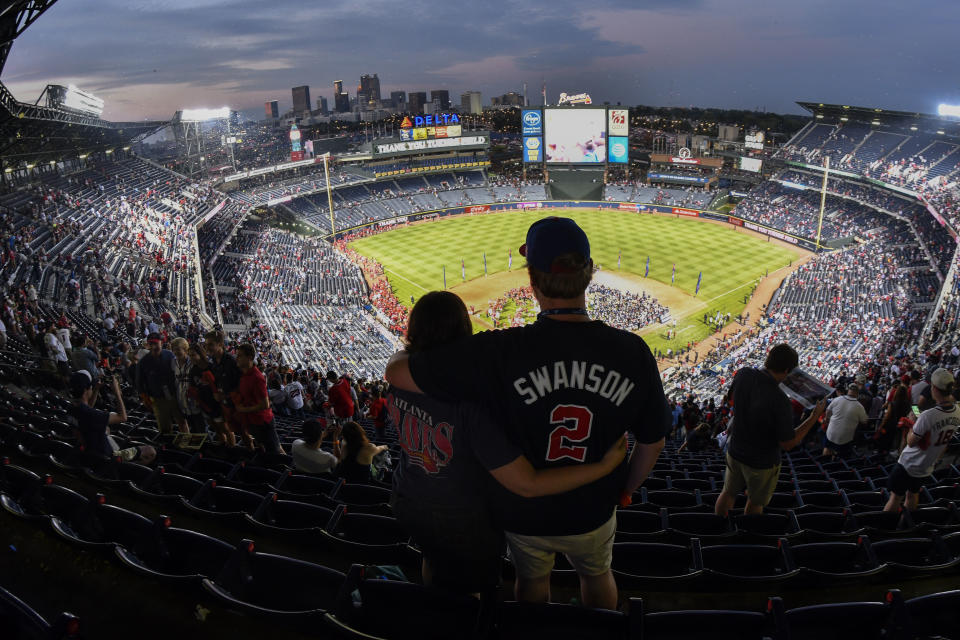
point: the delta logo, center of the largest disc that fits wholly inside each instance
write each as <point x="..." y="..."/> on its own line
<point x="433" y="120"/>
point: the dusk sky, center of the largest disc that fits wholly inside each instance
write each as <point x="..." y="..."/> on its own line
<point x="147" y="58"/>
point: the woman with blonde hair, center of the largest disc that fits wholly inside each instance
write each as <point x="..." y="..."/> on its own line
<point x="193" y="420"/>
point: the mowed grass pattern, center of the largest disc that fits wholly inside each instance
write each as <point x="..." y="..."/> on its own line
<point x="414" y="257"/>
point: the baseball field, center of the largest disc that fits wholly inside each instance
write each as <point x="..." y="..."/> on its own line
<point x="416" y="258"/>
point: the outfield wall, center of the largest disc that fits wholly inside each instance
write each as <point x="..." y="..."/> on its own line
<point x="480" y="209"/>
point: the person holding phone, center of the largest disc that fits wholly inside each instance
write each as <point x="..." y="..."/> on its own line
<point x="308" y="456"/>
<point x="926" y="442"/>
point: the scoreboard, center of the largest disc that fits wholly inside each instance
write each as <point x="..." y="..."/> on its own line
<point x="576" y="135"/>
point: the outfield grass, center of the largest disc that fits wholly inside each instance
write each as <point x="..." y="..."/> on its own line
<point x="414" y="257"/>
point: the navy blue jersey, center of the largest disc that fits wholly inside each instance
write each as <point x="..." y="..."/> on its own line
<point x="564" y="393"/>
<point x="762" y="419"/>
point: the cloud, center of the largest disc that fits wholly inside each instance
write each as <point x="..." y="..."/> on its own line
<point x="741" y="53"/>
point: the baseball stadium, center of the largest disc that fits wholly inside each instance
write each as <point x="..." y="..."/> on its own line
<point x="231" y="405"/>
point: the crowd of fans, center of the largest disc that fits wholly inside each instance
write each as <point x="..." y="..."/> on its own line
<point x="798" y="212"/>
<point x="921" y="161"/>
<point x="624" y="309"/>
<point x="515" y="308"/>
<point x="841" y="310"/>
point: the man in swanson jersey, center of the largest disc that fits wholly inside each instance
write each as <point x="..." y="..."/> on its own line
<point x="925" y="444"/>
<point x="563" y="389"/>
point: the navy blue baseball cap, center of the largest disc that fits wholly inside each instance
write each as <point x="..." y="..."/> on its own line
<point x="550" y="238"/>
<point x="80" y="381"/>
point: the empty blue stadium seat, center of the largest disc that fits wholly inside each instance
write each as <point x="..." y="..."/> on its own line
<point x="934" y="616"/>
<point x="20" y="621"/>
<point x="743" y="563"/>
<point x="834" y="621"/>
<point x="176" y="555"/>
<point x="655" y="566"/>
<point x="403" y="611"/>
<point x="284" y="588"/>
<point x="290" y="519"/>
<point x="915" y="556"/>
<point x="223" y="503"/>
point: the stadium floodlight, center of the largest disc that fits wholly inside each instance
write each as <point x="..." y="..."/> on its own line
<point x="201" y="115"/>
<point x="82" y="101"/>
<point x="949" y="110"/>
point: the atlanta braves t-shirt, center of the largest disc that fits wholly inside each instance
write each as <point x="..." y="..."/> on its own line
<point x="446" y="449"/>
<point x="564" y="393"/>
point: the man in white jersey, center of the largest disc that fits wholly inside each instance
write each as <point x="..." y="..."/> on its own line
<point x="925" y="444"/>
<point x="844" y="415"/>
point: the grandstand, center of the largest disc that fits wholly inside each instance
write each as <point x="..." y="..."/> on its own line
<point x="225" y="542"/>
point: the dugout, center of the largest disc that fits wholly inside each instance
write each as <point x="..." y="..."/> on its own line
<point x="575" y="184"/>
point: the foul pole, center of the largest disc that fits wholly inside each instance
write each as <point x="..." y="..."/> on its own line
<point x="823" y="197"/>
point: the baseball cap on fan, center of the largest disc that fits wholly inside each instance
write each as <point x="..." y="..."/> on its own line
<point x="550" y="238"/>
<point x="942" y="380"/>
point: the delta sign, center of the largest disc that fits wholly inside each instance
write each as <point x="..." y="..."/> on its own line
<point x="438" y="125"/>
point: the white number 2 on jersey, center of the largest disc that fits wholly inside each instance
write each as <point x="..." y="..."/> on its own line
<point x="575" y="423"/>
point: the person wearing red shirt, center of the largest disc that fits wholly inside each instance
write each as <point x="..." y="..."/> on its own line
<point x="340" y="396"/>
<point x="378" y="413"/>
<point x="252" y="403"/>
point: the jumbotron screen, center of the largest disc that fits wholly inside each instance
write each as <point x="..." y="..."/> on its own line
<point x="575" y="136"/>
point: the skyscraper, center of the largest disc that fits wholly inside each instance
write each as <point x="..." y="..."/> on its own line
<point x="341" y="100"/>
<point x="272" y="109"/>
<point x="322" y="105"/>
<point x="415" y="101"/>
<point x="512" y="98"/>
<point x="397" y="98"/>
<point x="471" y="102"/>
<point x="441" y="95"/>
<point x="370" y="85"/>
<point x="301" y="99"/>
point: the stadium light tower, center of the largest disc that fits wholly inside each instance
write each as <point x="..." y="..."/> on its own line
<point x="326" y="175"/>
<point x="188" y="130"/>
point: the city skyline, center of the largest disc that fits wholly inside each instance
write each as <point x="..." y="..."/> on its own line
<point x="147" y="59"/>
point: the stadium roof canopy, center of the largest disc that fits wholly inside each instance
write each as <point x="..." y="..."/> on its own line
<point x="884" y="117"/>
<point x="34" y="133"/>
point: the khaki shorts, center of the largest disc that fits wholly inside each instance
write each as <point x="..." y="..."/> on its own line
<point x="759" y="483"/>
<point x="590" y="553"/>
<point x="167" y="412"/>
